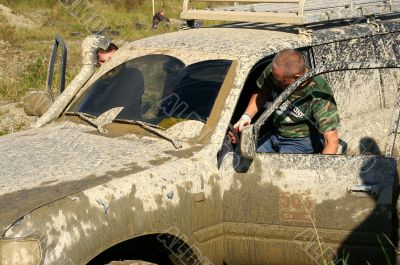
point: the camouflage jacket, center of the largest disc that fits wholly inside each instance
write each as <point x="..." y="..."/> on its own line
<point x="312" y="108"/>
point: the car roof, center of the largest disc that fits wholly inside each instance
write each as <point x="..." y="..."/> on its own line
<point x="251" y="42"/>
<point x="240" y="43"/>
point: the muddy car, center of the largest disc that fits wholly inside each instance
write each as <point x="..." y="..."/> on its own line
<point x="133" y="161"/>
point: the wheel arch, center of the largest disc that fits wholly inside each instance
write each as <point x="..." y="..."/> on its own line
<point x="161" y="248"/>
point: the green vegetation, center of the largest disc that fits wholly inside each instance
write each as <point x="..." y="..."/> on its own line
<point x="131" y="18"/>
<point x="35" y="73"/>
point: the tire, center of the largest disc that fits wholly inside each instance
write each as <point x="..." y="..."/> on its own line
<point x="131" y="262"/>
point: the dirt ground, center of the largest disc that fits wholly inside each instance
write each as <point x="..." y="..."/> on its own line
<point x="12" y="58"/>
<point x="13" y="61"/>
<point x="13" y="118"/>
<point x="16" y="20"/>
<point x="29" y="40"/>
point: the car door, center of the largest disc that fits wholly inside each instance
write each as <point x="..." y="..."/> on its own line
<point x="307" y="209"/>
<point x="311" y="209"/>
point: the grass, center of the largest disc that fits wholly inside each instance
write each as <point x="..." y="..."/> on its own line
<point x="26" y="52"/>
<point x="345" y="259"/>
<point x="35" y="73"/>
<point x="10" y="92"/>
<point x="6" y="31"/>
<point x="386" y="255"/>
<point x="52" y="18"/>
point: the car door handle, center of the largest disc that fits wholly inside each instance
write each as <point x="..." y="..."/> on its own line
<point x="364" y="190"/>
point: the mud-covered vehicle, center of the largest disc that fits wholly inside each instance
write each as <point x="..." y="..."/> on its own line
<point x="133" y="162"/>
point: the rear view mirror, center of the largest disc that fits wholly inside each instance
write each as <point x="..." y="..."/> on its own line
<point x="248" y="142"/>
<point x="36" y="103"/>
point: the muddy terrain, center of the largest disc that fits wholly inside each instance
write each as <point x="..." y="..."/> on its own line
<point x="13" y="60"/>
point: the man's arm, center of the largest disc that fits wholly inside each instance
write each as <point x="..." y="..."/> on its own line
<point x="331" y="143"/>
<point x="256" y="102"/>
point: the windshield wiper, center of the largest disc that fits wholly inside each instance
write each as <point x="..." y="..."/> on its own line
<point x="140" y="123"/>
<point x="84" y="116"/>
<point x="109" y="116"/>
<point x="154" y="129"/>
<point x="102" y="120"/>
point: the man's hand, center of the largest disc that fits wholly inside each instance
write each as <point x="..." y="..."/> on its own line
<point x="244" y="121"/>
<point x="255" y="103"/>
<point x="331" y="143"/>
<point x="233" y="138"/>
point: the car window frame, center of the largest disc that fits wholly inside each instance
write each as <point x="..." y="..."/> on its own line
<point x="210" y="126"/>
<point x="123" y="57"/>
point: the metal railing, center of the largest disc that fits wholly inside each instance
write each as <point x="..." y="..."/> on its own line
<point x="287" y="11"/>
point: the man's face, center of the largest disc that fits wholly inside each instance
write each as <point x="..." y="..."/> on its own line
<point x="282" y="81"/>
<point x="102" y="57"/>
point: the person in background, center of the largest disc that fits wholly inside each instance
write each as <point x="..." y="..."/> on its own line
<point x="104" y="55"/>
<point x="158" y="18"/>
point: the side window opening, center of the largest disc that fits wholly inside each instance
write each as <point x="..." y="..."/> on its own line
<point x="250" y="87"/>
<point x="248" y="90"/>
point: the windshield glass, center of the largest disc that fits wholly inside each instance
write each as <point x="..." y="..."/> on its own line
<point x="154" y="88"/>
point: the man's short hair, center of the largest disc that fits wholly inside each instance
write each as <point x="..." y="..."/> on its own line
<point x="111" y="47"/>
<point x="290" y="61"/>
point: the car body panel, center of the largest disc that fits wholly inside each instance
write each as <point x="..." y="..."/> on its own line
<point x="65" y="158"/>
<point x="151" y="201"/>
<point x="288" y="202"/>
<point x="142" y="185"/>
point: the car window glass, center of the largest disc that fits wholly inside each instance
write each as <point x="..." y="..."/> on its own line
<point x="194" y="91"/>
<point x="156" y="87"/>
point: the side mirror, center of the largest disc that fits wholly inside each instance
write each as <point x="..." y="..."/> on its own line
<point x="36" y="103"/>
<point x="248" y="142"/>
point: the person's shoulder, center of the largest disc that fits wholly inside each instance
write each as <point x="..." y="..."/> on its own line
<point x="320" y="81"/>
<point x="320" y="84"/>
<point x="268" y="70"/>
<point x="261" y="80"/>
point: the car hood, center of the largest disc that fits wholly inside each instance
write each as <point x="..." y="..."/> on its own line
<point x="41" y="165"/>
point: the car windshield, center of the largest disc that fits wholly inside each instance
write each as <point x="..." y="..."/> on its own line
<point x="155" y="89"/>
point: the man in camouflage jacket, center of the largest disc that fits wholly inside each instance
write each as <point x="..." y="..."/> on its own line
<point x="311" y="108"/>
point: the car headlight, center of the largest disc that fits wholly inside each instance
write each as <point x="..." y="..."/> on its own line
<point x="21" y="252"/>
